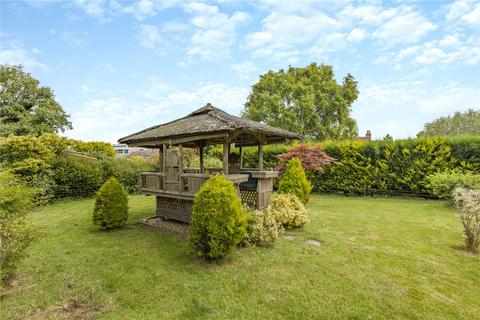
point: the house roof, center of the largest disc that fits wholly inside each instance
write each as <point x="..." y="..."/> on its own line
<point x="209" y="125"/>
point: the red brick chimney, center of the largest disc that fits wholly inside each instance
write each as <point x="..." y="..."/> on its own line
<point x="368" y="136"/>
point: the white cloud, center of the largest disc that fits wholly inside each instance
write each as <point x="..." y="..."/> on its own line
<point x="283" y="33"/>
<point x="407" y="27"/>
<point x="369" y="15"/>
<point x="473" y="17"/>
<point x="457" y="9"/>
<point x="73" y="40"/>
<point x="140" y="9"/>
<point x="449" y="41"/>
<point x="413" y="95"/>
<point x="401" y="107"/>
<point x="463" y="13"/>
<point x="149" y="36"/>
<point x="110" y="118"/>
<point x="407" y="52"/>
<point x="449" y="97"/>
<point x="92" y="7"/>
<point x="215" y="32"/>
<point x="15" y="54"/>
<point x="283" y="30"/>
<point x="450" y="50"/>
<point x="245" y="70"/>
<point x="356" y="35"/>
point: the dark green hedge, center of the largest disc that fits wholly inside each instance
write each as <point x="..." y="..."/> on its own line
<point x="383" y="167"/>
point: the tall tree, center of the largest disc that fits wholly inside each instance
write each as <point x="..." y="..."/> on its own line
<point x="306" y="100"/>
<point x="26" y="107"/>
<point x="467" y="123"/>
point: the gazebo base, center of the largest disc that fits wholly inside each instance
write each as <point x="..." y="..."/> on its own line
<point x="173" y="208"/>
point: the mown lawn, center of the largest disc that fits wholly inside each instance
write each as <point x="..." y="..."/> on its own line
<point x="379" y="259"/>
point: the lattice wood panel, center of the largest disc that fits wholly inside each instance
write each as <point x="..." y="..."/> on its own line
<point x="175" y="209"/>
<point x="249" y="197"/>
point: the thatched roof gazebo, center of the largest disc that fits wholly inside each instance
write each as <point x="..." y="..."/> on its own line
<point x="175" y="186"/>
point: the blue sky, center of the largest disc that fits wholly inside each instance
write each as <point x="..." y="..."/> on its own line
<point x="118" y="67"/>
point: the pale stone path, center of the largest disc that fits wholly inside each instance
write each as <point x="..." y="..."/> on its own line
<point x="314" y="242"/>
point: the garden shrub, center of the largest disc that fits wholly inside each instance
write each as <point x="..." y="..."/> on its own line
<point x="467" y="202"/>
<point x="125" y="171"/>
<point x="262" y="229"/>
<point x="218" y="221"/>
<point x="313" y="158"/>
<point x="76" y="177"/>
<point x="96" y="149"/>
<point x="288" y="211"/>
<point x="294" y="181"/>
<point x="397" y="167"/>
<point x="15" y="233"/>
<point x="442" y="184"/>
<point x="111" y="205"/>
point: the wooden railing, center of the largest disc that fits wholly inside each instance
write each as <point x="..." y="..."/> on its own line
<point x="150" y="180"/>
<point x="154" y="181"/>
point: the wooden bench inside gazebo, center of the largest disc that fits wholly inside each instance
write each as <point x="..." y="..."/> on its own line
<point x="175" y="186"/>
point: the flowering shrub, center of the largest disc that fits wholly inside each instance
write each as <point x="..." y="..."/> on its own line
<point x="294" y="181"/>
<point x="312" y="158"/>
<point x="288" y="211"/>
<point x="468" y="203"/>
<point x="263" y="229"/>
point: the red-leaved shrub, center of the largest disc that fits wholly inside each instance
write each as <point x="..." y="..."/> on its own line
<point x="313" y="158"/>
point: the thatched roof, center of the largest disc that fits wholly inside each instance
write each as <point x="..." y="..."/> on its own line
<point x="209" y="125"/>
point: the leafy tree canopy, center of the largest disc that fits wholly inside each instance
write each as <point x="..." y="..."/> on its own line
<point x="466" y="123"/>
<point x="306" y="100"/>
<point x="26" y="107"/>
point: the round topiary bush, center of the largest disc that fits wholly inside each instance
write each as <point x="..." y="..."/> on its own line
<point x="218" y="222"/>
<point x="288" y="211"/>
<point x="111" y="205"/>
<point x="294" y="181"/>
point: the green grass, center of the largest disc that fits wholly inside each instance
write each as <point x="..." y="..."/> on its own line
<point x="379" y="259"/>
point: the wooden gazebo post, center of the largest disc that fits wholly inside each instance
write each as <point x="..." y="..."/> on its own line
<point x="260" y="156"/>
<point x="160" y="158"/>
<point x="241" y="156"/>
<point x="202" y="166"/>
<point x="226" y="147"/>
<point x="164" y="182"/>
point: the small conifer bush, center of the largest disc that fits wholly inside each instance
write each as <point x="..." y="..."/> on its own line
<point x="218" y="220"/>
<point x="288" y="211"/>
<point x="294" y="181"/>
<point x="111" y="205"/>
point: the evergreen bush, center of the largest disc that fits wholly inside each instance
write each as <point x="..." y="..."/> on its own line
<point x="294" y="181"/>
<point x="16" y="233"/>
<point x="111" y="205"/>
<point x="288" y="211"/>
<point x="75" y="177"/>
<point x="218" y="221"/>
<point x="442" y="184"/>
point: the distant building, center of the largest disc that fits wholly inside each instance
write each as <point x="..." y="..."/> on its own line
<point x="124" y="151"/>
<point x="367" y="137"/>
